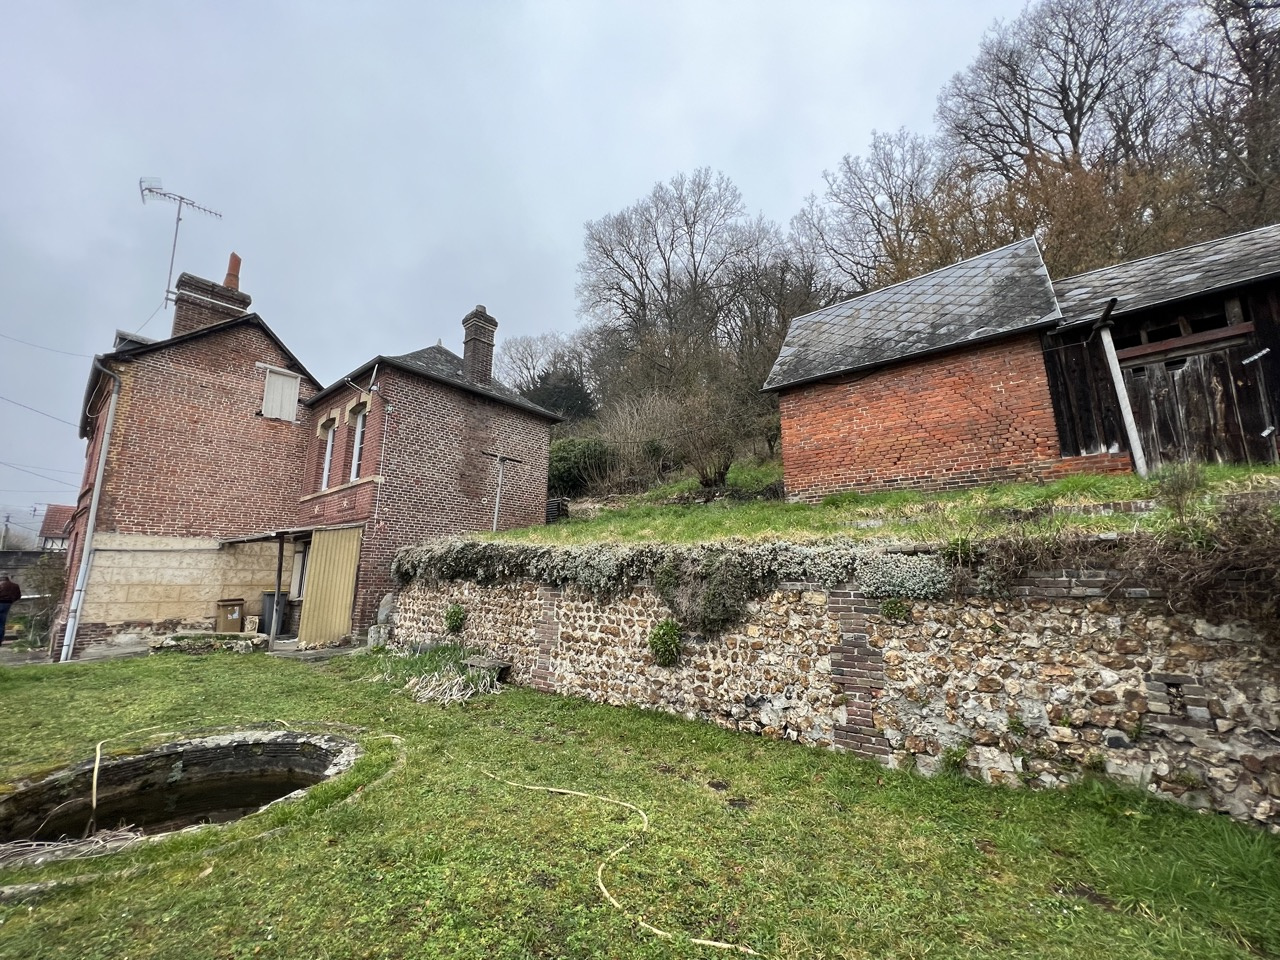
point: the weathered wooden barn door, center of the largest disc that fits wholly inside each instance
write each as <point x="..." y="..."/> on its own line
<point x="331" y="586"/>
<point x="1210" y="407"/>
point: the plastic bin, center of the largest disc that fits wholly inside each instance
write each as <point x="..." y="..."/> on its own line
<point x="269" y="608"/>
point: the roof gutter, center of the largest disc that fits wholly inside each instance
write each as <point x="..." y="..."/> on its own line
<point x="86" y="552"/>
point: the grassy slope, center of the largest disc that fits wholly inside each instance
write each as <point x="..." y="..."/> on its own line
<point x="832" y="857"/>
<point x="901" y="515"/>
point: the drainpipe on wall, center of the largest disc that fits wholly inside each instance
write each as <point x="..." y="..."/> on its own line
<point x="497" y="500"/>
<point x="1103" y="326"/>
<point x="86" y="552"/>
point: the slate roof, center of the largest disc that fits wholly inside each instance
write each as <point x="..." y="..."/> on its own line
<point x="444" y="366"/>
<point x="993" y="295"/>
<point x="1176" y="275"/>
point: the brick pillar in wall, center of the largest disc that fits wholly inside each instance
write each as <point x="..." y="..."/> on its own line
<point x="547" y="630"/>
<point x="859" y="670"/>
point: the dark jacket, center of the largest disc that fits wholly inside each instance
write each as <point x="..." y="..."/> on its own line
<point x="10" y="592"/>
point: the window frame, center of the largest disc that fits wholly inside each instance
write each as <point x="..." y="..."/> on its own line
<point x="360" y="412"/>
<point x="330" y="430"/>
<point x="280" y="375"/>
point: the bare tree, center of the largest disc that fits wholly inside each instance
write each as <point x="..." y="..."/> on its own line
<point x="1233" y="55"/>
<point x="1080" y="83"/>
<point x="520" y="361"/>
<point x="874" y="221"/>
<point x="655" y="279"/>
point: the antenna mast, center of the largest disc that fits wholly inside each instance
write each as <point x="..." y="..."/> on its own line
<point x="150" y="187"/>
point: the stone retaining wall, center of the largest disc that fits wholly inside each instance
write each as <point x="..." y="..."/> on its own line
<point x="773" y="675"/>
<point x="1066" y="677"/>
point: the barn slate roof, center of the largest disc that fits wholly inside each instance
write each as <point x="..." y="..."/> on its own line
<point x="1175" y="275"/>
<point x="993" y="295"/>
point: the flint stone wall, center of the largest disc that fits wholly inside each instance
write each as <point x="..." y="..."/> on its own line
<point x="1041" y="689"/>
<point x="1068" y="678"/>
<point x="772" y="675"/>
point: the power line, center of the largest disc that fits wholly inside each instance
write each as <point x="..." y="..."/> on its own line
<point x="41" y="412"/>
<point x="14" y="466"/>
<point x="30" y="491"/>
<point x="40" y="466"/>
<point x="153" y="315"/>
<point x="28" y="343"/>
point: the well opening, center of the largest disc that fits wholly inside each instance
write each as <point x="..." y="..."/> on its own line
<point x="213" y="779"/>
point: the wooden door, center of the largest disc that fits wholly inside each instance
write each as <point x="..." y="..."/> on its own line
<point x="331" y="587"/>
<point x="1210" y="407"/>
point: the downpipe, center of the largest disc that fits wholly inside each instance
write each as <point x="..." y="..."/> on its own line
<point x="86" y="552"/>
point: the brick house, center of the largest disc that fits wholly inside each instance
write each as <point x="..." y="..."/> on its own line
<point x="988" y="371"/>
<point x="54" y="526"/>
<point x="227" y="466"/>
<point x="411" y="447"/>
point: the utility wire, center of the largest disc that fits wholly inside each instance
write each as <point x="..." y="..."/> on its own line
<point x="38" y="466"/>
<point x="14" y="466"/>
<point x="41" y="412"/>
<point x="153" y="314"/>
<point x="28" y="343"/>
<point x="29" y="491"/>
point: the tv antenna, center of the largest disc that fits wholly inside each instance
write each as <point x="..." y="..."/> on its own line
<point x="150" y="187"/>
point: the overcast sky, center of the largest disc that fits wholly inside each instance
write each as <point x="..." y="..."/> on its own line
<point x="383" y="167"/>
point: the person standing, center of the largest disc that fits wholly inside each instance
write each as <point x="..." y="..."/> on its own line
<point x="10" y="593"/>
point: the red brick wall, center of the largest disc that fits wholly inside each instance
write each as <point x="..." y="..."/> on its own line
<point x="435" y="479"/>
<point x="193" y="309"/>
<point x="962" y="418"/>
<point x="190" y="454"/>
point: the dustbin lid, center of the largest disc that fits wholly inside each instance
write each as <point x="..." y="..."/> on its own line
<point x="232" y="602"/>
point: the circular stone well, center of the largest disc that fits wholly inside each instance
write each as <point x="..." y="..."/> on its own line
<point x="212" y="779"/>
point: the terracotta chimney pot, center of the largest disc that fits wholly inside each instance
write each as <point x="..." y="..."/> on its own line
<point x="233" y="272"/>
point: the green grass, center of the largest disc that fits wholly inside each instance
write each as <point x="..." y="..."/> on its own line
<point x="897" y="515"/>
<point x="826" y="857"/>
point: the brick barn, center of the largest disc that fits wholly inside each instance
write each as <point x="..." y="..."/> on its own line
<point x="987" y="371"/>
<point x="218" y="467"/>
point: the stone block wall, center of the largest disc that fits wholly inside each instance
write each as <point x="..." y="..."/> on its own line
<point x="153" y="586"/>
<point x="1069" y="676"/>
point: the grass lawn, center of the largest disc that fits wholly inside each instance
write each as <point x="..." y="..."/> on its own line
<point x="897" y="515"/>
<point x="417" y="852"/>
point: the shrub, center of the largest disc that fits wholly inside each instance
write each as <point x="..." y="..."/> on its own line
<point x="1177" y="486"/>
<point x="665" y="642"/>
<point x="921" y="576"/>
<point x="895" y="608"/>
<point x="455" y="618"/>
<point x="576" y="464"/>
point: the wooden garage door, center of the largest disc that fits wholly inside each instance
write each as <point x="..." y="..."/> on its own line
<point x="331" y="586"/>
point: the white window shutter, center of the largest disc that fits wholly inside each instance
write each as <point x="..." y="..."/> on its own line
<point x="280" y="396"/>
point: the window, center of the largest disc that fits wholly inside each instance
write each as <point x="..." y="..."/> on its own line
<point x="280" y="395"/>
<point x="330" y="428"/>
<point x="298" y="582"/>
<point x="357" y="442"/>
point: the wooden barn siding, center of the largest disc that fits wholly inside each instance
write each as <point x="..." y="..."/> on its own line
<point x="1084" y="402"/>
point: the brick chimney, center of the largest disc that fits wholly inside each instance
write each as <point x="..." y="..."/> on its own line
<point x="201" y="303"/>
<point x="477" y="345"/>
